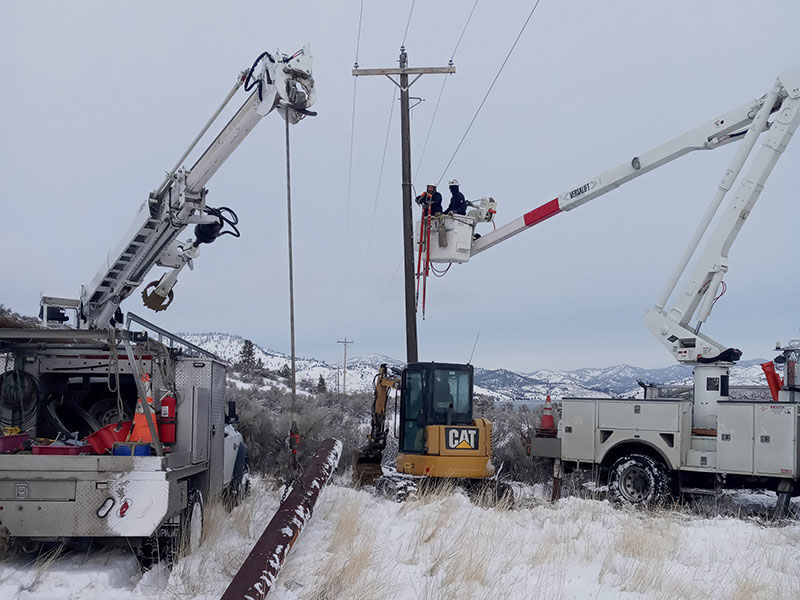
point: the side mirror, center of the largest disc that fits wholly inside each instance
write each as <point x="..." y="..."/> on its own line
<point x="231" y="417"/>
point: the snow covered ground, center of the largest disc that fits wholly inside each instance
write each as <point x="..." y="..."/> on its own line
<point x="360" y="546"/>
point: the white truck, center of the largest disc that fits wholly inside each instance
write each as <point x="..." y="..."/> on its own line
<point x="708" y="437"/>
<point x="90" y="367"/>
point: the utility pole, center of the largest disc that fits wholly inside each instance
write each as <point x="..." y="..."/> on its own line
<point x="412" y="352"/>
<point x="345" y="341"/>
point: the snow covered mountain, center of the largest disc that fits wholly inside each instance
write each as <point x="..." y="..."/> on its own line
<point x="499" y="384"/>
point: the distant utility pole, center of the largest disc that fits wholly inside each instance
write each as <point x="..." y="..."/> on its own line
<point x="412" y="352"/>
<point x="345" y="341"/>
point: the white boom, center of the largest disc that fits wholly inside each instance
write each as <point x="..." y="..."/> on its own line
<point x="671" y="325"/>
<point x="282" y="82"/>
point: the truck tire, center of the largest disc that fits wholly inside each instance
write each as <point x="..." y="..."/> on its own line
<point x="192" y="523"/>
<point x="239" y="485"/>
<point x="638" y="480"/>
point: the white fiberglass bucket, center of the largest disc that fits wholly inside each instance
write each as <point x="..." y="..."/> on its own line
<point x="450" y="239"/>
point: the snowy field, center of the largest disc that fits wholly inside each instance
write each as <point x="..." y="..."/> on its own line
<point x="443" y="546"/>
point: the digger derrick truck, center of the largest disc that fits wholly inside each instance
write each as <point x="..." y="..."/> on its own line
<point x="91" y="373"/>
<point x="711" y="435"/>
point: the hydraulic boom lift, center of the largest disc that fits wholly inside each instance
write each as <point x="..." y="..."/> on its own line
<point x="643" y="442"/>
<point x="281" y="82"/>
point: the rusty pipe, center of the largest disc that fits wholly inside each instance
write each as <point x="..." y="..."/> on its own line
<point x="260" y="569"/>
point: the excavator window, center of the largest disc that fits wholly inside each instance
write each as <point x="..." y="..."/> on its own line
<point x="451" y="401"/>
<point x="433" y="394"/>
<point x="412" y="437"/>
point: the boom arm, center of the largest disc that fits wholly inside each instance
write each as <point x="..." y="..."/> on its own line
<point x="282" y="82"/>
<point x="671" y="327"/>
<point x="714" y="134"/>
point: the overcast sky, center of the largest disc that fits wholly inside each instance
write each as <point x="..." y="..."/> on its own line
<point x="100" y="99"/>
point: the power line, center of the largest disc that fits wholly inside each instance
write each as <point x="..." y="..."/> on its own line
<point x="489" y="91"/>
<point x="410" y="12"/>
<point x="358" y="37"/>
<point x="391" y="283"/>
<point x="463" y="31"/>
<point x="441" y="90"/>
<point x="352" y="142"/>
<point x="430" y="127"/>
<point x="380" y="179"/>
<point x="345" y="341"/>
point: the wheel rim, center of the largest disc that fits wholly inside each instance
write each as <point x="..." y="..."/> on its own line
<point x="107" y="413"/>
<point x="634" y="484"/>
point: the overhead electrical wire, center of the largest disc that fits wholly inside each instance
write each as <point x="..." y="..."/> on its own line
<point x="352" y="144"/>
<point x="489" y="91"/>
<point x="391" y="282"/>
<point x="380" y="180"/>
<point x="430" y="127"/>
<point x="463" y="30"/>
<point x="410" y="12"/>
<point x="441" y="90"/>
<point x="383" y="158"/>
<point x="428" y="134"/>
<point x="358" y="36"/>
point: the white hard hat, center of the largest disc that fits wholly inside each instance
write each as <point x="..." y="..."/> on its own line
<point x="454" y="182"/>
<point x="433" y="185"/>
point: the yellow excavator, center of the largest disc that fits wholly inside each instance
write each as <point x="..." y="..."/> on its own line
<point x="438" y="436"/>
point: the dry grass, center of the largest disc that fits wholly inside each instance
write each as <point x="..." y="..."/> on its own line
<point x="442" y="545"/>
<point x="355" y="567"/>
<point x="41" y="567"/>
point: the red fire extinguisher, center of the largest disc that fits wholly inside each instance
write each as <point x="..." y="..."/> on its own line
<point x="166" y="421"/>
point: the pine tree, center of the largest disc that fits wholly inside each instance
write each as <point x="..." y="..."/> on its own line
<point x="285" y="371"/>
<point x="322" y="387"/>
<point x="247" y="357"/>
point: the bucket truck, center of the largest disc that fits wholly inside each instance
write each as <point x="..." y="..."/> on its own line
<point x="90" y="371"/>
<point x="665" y="441"/>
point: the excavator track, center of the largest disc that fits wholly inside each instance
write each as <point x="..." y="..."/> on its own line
<point x="400" y="487"/>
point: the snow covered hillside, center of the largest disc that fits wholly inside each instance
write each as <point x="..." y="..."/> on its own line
<point x="360" y="546"/>
<point x="499" y="384"/>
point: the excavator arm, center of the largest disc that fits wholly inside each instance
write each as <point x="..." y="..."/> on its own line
<point x="367" y="459"/>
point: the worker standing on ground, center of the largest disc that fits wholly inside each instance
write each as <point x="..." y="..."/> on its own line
<point x="458" y="204"/>
<point x="432" y="199"/>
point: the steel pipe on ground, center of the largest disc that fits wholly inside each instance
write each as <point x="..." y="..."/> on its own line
<point x="259" y="570"/>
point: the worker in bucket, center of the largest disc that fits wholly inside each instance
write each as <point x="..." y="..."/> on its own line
<point x="458" y="204"/>
<point x="430" y="198"/>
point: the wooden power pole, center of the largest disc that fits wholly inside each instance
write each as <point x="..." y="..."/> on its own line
<point x="345" y="341"/>
<point x="412" y="351"/>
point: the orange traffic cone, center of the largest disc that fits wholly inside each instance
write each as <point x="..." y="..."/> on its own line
<point x="547" y="416"/>
<point x="140" y="431"/>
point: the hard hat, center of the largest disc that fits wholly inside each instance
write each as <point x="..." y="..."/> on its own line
<point x="433" y="185"/>
<point x="454" y="182"/>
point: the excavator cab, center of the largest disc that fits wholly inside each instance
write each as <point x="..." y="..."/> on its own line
<point x="433" y="394"/>
<point x="438" y="435"/>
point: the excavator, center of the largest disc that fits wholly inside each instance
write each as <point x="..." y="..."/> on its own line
<point x="438" y="436"/>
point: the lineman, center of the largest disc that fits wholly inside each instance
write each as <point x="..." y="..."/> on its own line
<point x="458" y="204"/>
<point x="431" y="198"/>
